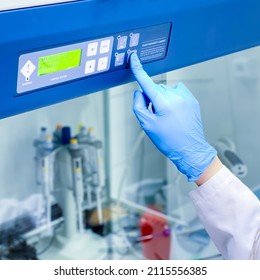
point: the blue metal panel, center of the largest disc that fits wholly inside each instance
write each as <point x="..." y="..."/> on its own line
<point x="201" y="30"/>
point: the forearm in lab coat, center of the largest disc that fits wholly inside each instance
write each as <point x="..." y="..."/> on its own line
<point x="230" y="213"/>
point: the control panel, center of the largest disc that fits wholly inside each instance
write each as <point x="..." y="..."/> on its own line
<point x="48" y="67"/>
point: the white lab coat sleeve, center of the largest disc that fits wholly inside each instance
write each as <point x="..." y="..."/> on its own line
<point x="230" y="213"/>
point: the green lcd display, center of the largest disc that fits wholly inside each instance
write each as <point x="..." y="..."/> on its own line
<point x="59" y="62"/>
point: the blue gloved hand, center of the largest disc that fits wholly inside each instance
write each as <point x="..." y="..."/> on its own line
<point x="175" y="125"/>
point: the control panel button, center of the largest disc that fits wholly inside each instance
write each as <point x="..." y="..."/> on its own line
<point x="102" y="63"/>
<point x="90" y="66"/>
<point x="104" y="46"/>
<point x="129" y="52"/>
<point x="121" y="42"/>
<point x="28" y="69"/>
<point x="92" y="49"/>
<point x="120" y="58"/>
<point x="134" y="39"/>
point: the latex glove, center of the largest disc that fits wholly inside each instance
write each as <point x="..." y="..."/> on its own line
<point x="175" y="125"/>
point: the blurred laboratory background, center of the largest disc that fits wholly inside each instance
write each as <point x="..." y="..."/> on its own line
<point x="80" y="180"/>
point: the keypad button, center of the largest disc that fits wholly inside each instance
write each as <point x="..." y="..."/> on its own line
<point x="121" y="42"/>
<point x="104" y="46"/>
<point x="134" y="39"/>
<point x="102" y="63"/>
<point x="90" y="66"/>
<point x="120" y="59"/>
<point x="92" y="49"/>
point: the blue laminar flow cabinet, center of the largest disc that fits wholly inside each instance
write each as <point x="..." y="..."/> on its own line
<point x="53" y="53"/>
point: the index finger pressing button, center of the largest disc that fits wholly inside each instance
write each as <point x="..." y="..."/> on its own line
<point x="145" y="82"/>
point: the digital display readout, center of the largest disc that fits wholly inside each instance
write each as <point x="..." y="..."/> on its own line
<point x="59" y="62"/>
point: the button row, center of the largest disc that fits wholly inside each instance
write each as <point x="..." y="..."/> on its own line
<point x="102" y="65"/>
<point x="120" y="57"/>
<point x="122" y="41"/>
<point x="93" y="47"/>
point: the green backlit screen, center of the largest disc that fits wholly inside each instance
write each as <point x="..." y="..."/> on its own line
<point x="58" y="62"/>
